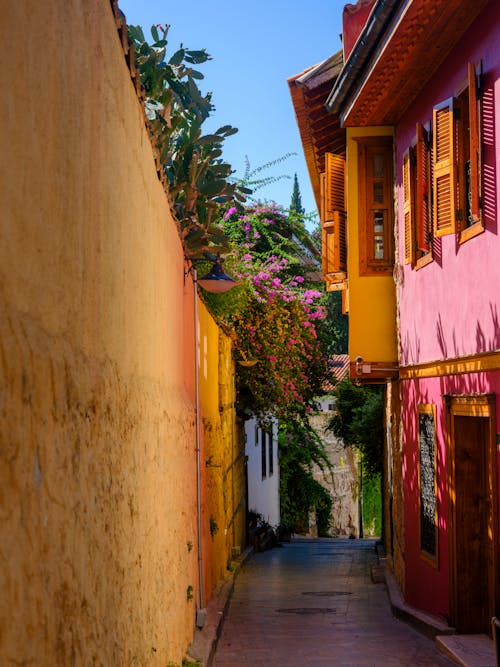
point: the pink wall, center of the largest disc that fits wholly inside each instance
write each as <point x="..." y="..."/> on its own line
<point x="461" y="309"/>
<point x="451" y="307"/>
<point x="426" y="586"/>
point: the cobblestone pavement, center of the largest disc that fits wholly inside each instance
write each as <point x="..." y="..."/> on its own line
<point x="312" y="603"/>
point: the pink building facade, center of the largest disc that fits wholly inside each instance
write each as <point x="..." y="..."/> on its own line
<point x="428" y="72"/>
<point x="449" y="338"/>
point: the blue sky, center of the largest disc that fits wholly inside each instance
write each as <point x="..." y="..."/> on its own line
<point x="255" y="47"/>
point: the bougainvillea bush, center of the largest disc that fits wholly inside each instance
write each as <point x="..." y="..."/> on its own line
<point x="274" y="315"/>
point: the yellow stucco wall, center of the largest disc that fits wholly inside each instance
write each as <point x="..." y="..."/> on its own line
<point x="97" y="462"/>
<point x="223" y="488"/>
<point x="372" y="300"/>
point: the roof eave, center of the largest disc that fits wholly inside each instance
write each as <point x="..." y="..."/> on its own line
<point x="387" y="69"/>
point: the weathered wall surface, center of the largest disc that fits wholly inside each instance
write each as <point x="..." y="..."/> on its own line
<point x="342" y="482"/>
<point x="97" y="462"/>
<point x="392" y="496"/>
<point x="223" y="491"/>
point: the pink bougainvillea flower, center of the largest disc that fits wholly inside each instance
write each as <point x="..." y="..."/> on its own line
<point x="229" y="213"/>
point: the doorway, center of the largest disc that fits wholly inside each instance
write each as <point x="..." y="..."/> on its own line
<point x="472" y="493"/>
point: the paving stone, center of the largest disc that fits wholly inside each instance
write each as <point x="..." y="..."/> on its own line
<point x="313" y="603"/>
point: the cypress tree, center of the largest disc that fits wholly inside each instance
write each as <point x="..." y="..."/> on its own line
<point x="296" y="203"/>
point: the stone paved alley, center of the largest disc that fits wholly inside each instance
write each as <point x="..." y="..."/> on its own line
<point x="313" y="603"/>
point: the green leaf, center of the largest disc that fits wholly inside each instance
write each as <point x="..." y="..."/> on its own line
<point x="210" y="139"/>
<point x="154" y="33"/>
<point x="197" y="57"/>
<point x="177" y="58"/>
<point x="227" y="130"/>
<point x="196" y="75"/>
<point x="135" y="33"/>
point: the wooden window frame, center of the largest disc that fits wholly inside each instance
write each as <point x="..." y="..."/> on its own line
<point x="368" y="264"/>
<point x="409" y="201"/>
<point x="475" y="156"/>
<point x="423" y="197"/>
<point x="270" y="453"/>
<point x="417" y="201"/>
<point x="430" y="559"/>
<point x="263" y="454"/>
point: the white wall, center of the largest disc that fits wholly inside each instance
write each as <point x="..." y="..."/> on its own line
<point x="263" y="475"/>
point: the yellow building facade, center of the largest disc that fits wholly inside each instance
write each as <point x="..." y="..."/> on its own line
<point x="222" y="454"/>
<point x="98" y="499"/>
<point x="371" y="294"/>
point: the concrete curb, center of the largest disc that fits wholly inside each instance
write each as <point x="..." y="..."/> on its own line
<point x="468" y="650"/>
<point x="425" y="623"/>
<point x="204" y="643"/>
<point x="465" y="650"/>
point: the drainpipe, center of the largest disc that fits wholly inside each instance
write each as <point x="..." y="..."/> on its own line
<point x="201" y="612"/>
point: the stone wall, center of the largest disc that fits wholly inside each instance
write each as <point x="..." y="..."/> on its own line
<point x="393" y="485"/>
<point x="342" y="481"/>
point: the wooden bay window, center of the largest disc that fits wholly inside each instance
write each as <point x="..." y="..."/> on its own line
<point x="376" y="217"/>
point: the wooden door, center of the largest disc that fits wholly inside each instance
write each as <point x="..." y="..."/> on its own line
<point x="473" y="517"/>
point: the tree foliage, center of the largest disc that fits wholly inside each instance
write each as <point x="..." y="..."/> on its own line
<point x="334" y="329"/>
<point x="359" y="422"/>
<point x="275" y="317"/>
<point x="199" y="179"/>
<point x="300" y="447"/>
<point x="275" y="314"/>
<point x="296" y="203"/>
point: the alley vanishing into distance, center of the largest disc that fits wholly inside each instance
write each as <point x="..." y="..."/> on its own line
<point x="314" y="603"/>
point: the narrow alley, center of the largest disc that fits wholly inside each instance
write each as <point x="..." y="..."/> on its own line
<point x="314" y="603"/>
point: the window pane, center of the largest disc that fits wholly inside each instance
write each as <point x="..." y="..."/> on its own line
<point x="378" y="192"/>
<point x="378" y="249"/>
<point x="378" y="222"/>
<point x="378" y="165"/>
<point x="263" y="454"/>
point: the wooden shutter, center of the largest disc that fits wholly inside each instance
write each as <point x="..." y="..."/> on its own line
<point x="408" y="206"/>
<point x="422" y="194"/>
<point x="336" y="213"/>
<point x="474" y="138"/>
<point x="444" y="169"/>
<point x="322" y="217"/>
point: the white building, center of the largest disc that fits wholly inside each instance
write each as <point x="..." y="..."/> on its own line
<point x="261" y="448"/>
